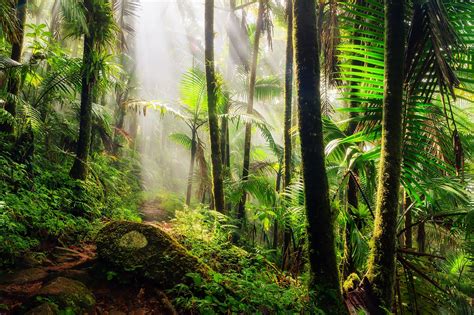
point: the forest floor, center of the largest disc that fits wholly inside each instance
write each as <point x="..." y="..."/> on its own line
<point x="40" y="277"/>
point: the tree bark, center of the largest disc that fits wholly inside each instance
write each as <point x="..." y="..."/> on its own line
<point x="189" y="188"/>
<point x="217" y="181"/>
<point x="79" y="169"/>
<point x="324" y="277"/>
<point x="13" y="85"/>
<point x="381" y="271"/>
<point x="288" y="118"/>
<point x="248" y="126"/>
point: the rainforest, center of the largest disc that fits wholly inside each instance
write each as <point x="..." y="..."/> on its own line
<point x="236" y="157"/>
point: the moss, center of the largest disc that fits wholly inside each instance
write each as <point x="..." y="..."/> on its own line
<point x="154" y="255"/>
<point x="324" y="276"/>
<point x="351" y="282"/>
<point x="67" y="293"/>
<point x="381" y="265"/>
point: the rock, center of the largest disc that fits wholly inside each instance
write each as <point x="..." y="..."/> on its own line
<point x="24" y="276"/>
<point x="44" y="309"/>
<point x="146" y="251"/>
<point x="67" y="293"/>
<point x="79" y="275"/>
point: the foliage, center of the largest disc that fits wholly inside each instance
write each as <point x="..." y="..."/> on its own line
<point x="243" y="281"/>
<point x="41" y="206"/>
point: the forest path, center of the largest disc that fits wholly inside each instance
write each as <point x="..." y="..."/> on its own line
<point x="152" y="211"/>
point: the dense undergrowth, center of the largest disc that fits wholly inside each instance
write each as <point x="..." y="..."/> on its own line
<point x="244" y="279"/>
<point x="42" y="206"/>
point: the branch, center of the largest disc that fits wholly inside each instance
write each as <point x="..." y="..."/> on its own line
<point x="435" y="216"/>
<point x="418" y="271"/>
<point x="244" y="5"/>
<point x="414" y="253"/>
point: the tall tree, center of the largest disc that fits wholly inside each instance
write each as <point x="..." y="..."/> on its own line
<point x="89" y="79"/>
<point x="324" y="277"/>
<point x="13" y="84"/>
<point x="287" y="119"/>
<point x="217" y="181"/>
<point x="99" y="30"/>
<point x="381" y="271"/>
<point x="251" y="93"/>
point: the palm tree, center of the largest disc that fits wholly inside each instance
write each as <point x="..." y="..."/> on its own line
<point x="435" y="62"/>
<point x="13" y="84"/>
<point x="218" y="186"/>
<point x="191" y="109"/>
<point x="324" y="277"/>
<point x="262" y="6"/>
<point x="98" y="28"/>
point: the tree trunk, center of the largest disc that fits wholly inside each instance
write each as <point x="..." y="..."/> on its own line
<point x="348" y="265"/>
<point x="79" y="168"/>
<point x="248" y="126"/>
<point x="324" y="277"/>
<point x="287" y="127"/>
<point x="217" y="181"/>
<point x="408" y="229"/>
<point x="189" y="189"/>
<point x="13" y="84"/>
<point x="421" y="237"/>
<point x="381" y="271"/>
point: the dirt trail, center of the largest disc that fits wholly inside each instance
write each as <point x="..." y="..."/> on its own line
<point x="152" y="211"/>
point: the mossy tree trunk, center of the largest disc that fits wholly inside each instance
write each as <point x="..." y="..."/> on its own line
<point x="381" y="271"/>
<point x="324" y="277"/>
<point x="79" y="169"/>
<point x="251" y="93"/>
<point x="13" y="84"/>
<point x="217" y="181"/>
<point x="287" y="168"/>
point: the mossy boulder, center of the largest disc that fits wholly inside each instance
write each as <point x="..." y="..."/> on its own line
<point x="148" y="252"/>
<point x="67" y="294"/>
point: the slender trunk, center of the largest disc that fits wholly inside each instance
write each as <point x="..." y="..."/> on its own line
<point x="248" y="126"/>
<point x="223" y="136"/>
<point x="420" y="237"/>
<point x="79" y="168"/>
<point x="381" y="271"/>
<point x="408" y="229"/>
<point x="352" y="203"/>
<point x="277" y="189"/>
<point x="13" y="85"/>
<point x="324" y="277"/>
<point x="217" y="181"/>
<point x="189" y="189"/>
<point x="288" y="118"/>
